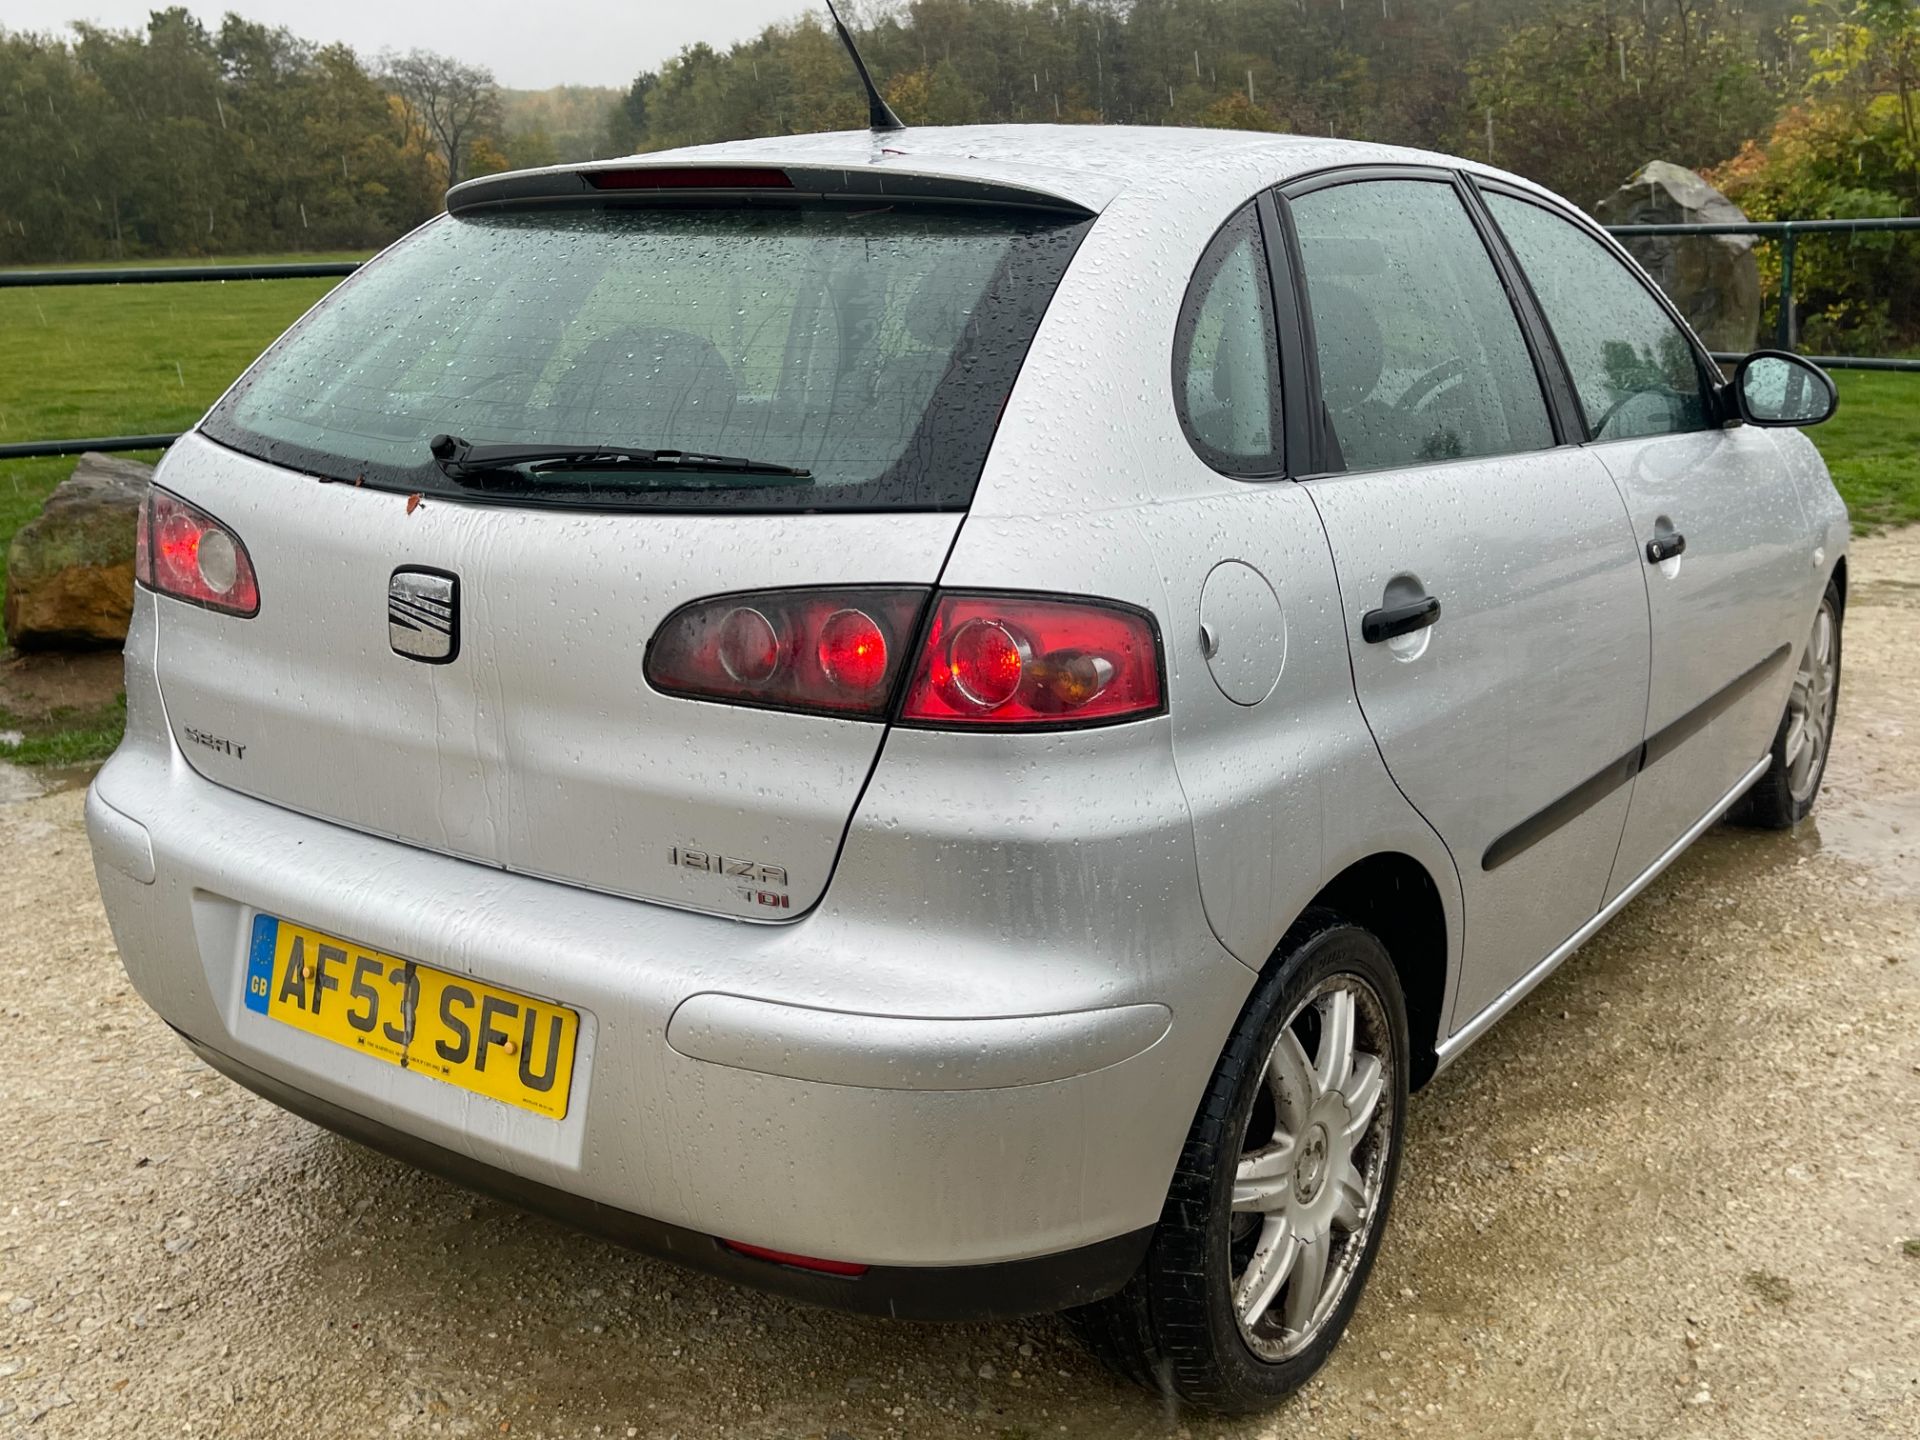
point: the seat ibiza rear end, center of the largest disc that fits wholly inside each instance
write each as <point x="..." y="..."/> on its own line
<point x="599" y="823"/>
<point x="742" y="701"/>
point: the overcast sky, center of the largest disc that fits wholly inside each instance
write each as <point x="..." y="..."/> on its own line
<point x="528" y="44"/>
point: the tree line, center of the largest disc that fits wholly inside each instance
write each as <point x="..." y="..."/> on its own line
<point x="180" y="140"/>
<point x="1577" y="95"/>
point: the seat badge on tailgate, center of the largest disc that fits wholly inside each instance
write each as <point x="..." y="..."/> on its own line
<point x="423" y="615"/>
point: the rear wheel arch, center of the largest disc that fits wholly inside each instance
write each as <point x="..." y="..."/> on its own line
<point x="1394" y="896"/>
<point x="1840" y="581"/>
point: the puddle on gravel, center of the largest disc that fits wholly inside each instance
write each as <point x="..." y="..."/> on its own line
<point x="1883" y="837"/>
<point x="1900" y="593"/>
<point x="30" y="782"/>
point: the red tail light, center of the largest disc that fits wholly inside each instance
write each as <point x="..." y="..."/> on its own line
<point x="853" y="651"/>
<point x="182" y="551"/>
<point x="1002" y="660"/>
<point x="997" y="661"/>
<point x="833" y="651"/>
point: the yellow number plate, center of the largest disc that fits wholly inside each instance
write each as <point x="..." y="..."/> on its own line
<point x="506" y="1046"/>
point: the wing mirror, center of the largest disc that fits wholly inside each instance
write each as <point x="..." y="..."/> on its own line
<point x="1775" y="388"/>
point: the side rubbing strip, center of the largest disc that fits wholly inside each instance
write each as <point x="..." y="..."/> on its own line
<point x="1663" y="743"/>
<point x="1592" y="791"/>
<point x="1570" y="806"/>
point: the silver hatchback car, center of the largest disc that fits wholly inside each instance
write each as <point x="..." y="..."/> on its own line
<point x="946" y="723"/>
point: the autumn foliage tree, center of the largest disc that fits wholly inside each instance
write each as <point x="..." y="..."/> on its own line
<point x="1847" y="148"/>
<point x="455" y="106"/>
<point x="1581" y="93"/>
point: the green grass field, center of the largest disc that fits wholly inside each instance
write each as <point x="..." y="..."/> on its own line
<point x="1873" y="447"/>
<point x="117" y="360"/>
<point x="125" y="359"/>
<point x="69" y="735"/>
<point x="128" y="359"/>
<point x="132" y="359"/>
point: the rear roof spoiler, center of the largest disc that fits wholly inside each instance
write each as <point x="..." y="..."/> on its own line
<point x="631" y="180"/>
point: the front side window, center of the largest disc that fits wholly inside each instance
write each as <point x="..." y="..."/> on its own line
<point x="1223" y="355"/>
<point x="1633" y="367"/>
<point x="1421" y="356"/>
<point x="871" y="347"/>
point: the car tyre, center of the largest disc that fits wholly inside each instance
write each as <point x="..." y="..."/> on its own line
<point x="1284" y="1183"/>
<point x="1784" y="795"/>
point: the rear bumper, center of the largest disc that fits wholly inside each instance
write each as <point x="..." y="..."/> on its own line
<point x="920" y="1081"/>
<point x="965" y="1292"/>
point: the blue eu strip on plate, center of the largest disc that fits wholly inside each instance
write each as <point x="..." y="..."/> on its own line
<point x="266" y="930"/>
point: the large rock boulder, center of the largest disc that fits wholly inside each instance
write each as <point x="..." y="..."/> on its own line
<point x="1713" y="279"/>
<point x="70" y="570"/>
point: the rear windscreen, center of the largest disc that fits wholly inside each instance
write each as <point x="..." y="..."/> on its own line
<point x="871" y="347"/>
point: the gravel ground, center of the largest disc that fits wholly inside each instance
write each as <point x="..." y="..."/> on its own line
<point x="1675" y="1193"/>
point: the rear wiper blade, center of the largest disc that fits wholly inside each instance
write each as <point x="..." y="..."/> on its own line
<point x="463" y="461"/>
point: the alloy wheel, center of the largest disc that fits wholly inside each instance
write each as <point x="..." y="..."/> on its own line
<point x="1810" y="706"/>
<point x="1312" y="1167"/>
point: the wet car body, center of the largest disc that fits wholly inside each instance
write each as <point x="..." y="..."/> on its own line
<point x="910" y="1016"/>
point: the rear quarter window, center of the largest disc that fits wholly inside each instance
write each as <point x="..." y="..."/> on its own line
<point x="1225" y="380"/>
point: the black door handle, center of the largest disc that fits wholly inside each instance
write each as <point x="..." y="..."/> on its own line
<point x="1392" y="620"/>
<point x="1665" y="547"/>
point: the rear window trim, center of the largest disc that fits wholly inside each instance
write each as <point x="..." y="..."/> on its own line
<point x="675" y="502"/>
<point x="220" y="428"/>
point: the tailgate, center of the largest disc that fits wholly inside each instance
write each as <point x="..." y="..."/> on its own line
<point x="539" y="747"/>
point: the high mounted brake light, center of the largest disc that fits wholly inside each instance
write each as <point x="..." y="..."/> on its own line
<point x="682" y="177"/>
<point x="862" y="184"/>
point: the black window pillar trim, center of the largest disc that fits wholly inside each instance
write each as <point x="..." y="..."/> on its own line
<point x="1317" y="446"/>
<point x="1314" y="180"/>
<point x="1549" y="365"/>
<point x="1300" y="410"/>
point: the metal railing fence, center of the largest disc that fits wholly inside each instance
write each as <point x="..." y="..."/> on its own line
<point x="174" y="274"/>
<point x="1787" y="232"/>
<point x="149" y="275"/>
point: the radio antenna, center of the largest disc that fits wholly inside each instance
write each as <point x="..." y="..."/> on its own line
<point x="880" y="115"/>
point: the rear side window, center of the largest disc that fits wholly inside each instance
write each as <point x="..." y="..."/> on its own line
<point x="1224" y="380"/>
<point x="873" y="347"/>
<point x="1421" y="356"/>
<point x="1633" y="367"/>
